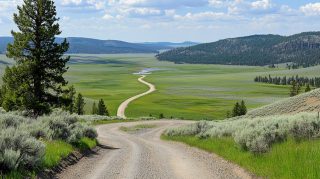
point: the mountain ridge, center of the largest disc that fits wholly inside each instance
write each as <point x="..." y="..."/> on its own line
<point x="97" y="46"/>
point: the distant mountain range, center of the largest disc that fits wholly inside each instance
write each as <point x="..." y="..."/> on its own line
<point x="95" y="46"/>
<point x="302" y="49"/>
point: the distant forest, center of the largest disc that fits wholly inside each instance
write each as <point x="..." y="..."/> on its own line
<point x="302" y="81"/>
<point x="257" y="50"/>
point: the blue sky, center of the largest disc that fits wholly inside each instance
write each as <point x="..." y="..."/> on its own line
<point x="176" y="20"/>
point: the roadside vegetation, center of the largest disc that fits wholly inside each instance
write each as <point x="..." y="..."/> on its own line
<point x="28" y="145"/>
<point x="280" y="140"/>
<point x="289" y="159"/>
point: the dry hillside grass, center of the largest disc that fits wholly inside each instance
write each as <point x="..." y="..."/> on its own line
<point x="307" y="102"/>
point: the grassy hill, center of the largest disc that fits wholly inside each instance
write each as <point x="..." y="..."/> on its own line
<point x="302" y="49"/>
<point x="307" y="102"/>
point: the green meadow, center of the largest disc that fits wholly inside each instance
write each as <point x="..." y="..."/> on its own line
<point x="185" y="91"/>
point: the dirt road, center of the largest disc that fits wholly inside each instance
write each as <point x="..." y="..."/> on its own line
<point x="143" y="155"/>
<point x="124" y="105"/>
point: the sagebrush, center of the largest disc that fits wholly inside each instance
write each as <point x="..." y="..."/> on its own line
<point x="256" y="134"/>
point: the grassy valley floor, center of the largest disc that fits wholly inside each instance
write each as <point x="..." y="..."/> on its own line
<point x="186" y="91"/>
<point x="289" y="159"/>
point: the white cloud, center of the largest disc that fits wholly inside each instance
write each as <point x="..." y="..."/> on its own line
<point x="107" y="17"/>
<point x="161" y="3"/>
<point x="67" y="2"/>
<point x="7" y="5"/>
<point x="201" y="16"/>
<point x="216" y="3"/>
<point x="136" y="12"/>
<point x="311" y="9"/>
<point x="170" y="12"/>
<point x="261" y="4"/>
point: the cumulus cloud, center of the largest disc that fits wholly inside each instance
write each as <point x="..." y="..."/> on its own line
<point x="161" y="4"/>
<point x="67" y="2"/>
<point x="201" y="16"/>
<point x="311" y="9"/>
<point x="216" y="3"/>
<point x="261" y="4"/>
<point x="91" y="4"/>
<point x="107" y="17"/>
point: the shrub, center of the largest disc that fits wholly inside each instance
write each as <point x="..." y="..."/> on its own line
<point x="305" y="129"/>
<point x="90" y="132"/>
<point x="255" y="134"/>
<point x="18" y="150"/>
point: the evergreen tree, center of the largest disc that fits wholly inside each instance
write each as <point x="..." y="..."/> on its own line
<point x="69" y="99"/>
<point x="94" y="108"/>
<point x="308" y="88"/>
<point x="79" y="105"/>
<point x="295" y="88"/>
<point x="40" y="64"/>
<point x="236" y="110"/>
<point x="102" y="109"/>
<point x="243" y="109"/>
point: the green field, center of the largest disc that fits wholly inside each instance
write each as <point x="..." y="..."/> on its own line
<point x="183" y="90"/>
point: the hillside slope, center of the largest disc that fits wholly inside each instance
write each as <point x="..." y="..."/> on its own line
<point x="306" y="102"/>
<point x="95" y="46"/>
<point x="303" y="49"/>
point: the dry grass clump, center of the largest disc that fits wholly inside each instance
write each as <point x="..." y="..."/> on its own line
<point x="256" y="134"/>
<point x="307" y="102"/>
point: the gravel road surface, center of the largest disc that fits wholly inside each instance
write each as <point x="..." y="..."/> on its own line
<point x="143" y="155"/>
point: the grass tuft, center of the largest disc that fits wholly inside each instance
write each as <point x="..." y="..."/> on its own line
<point x="86" y="144"/>
<point x="55" y="152"/>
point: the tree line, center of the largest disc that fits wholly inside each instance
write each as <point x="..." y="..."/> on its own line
<point x="302" y="81"/>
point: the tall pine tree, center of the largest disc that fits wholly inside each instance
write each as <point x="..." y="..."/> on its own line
<point x="308" y="88"/>
<point x="79" y="105"/>
<point x="243" y="109"/>
<point x="236" y="110"/>
<point x="94" y="108"/>
<point x="295" y="88"/>
<point x="102" y="109"/>
<point x="39" y="60"/>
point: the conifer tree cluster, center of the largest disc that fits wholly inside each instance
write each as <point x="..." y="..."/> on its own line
<point x="239" y="109"/>
<point x="101" y="109"/>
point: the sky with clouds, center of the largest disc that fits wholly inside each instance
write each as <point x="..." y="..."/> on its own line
<point x="176" y="20"/>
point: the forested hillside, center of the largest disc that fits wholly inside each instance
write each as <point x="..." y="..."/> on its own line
<point x="303" y="49"/>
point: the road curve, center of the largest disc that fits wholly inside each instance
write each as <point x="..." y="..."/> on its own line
<point x="124" y="105"/>
<point x="143" y="155"/>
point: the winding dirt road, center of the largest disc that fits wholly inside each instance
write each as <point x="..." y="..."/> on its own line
<point x="143" y="155"/>
<point x="124" y="105"/>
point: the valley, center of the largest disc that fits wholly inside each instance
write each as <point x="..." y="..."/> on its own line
<point x="145" y="89"/>
<point x="185" y="91"/>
